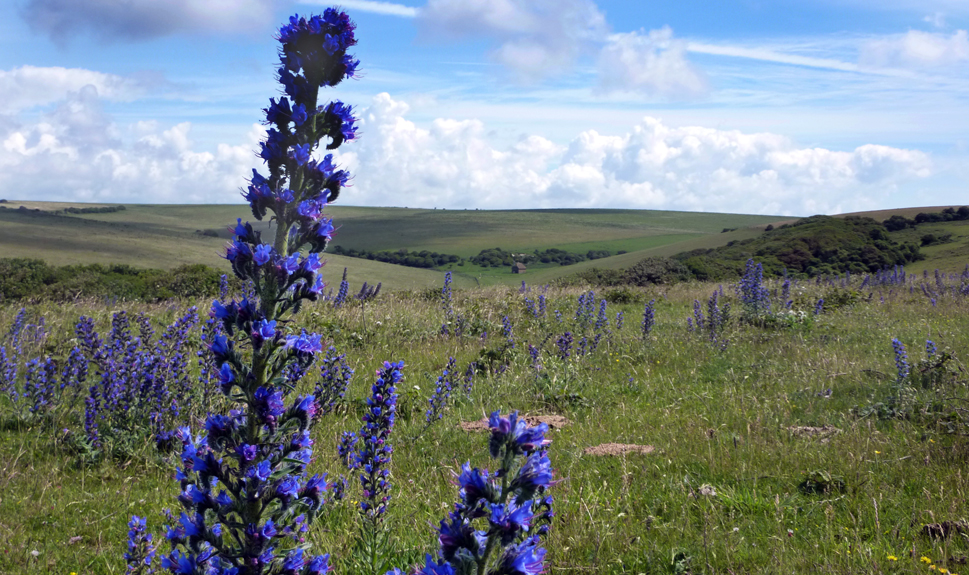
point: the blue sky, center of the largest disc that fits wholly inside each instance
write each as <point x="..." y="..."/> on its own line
<point x="749" y="106"/>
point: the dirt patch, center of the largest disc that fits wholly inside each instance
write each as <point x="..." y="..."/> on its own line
<point x="552" y="421"/>
<point x="618" y="449"/>
<point x="823" y="432"/>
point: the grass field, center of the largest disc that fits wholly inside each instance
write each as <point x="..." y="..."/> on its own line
<point x="721" y="492"/>
<point x="164" y="236"/>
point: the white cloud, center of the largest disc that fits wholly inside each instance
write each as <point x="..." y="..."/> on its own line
<point x="535" y="38"/>
<point x="373" y="6"/>
<point x="768" y="55"/>
<point x="143" y="19"/>
<point x="651" y="63"/>
<point x="937" y="19"/>
<point x="29" y="86"/>
<point x="916" y="49"/>
<point x="451" y="164"/>
<point x="76" y="152"/>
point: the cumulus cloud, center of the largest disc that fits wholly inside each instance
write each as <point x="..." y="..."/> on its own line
<point x="916" y="49"/>
<point x="143" y="19"/>
<point x="650" y="63"/>
<point x="535" y="38"/>
<point x="77" y="152"/>
<point x="450" y="163"/>
<point x="29" y="86"/>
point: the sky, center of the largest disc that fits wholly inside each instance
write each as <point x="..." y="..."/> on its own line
<point x="778" y="107"/>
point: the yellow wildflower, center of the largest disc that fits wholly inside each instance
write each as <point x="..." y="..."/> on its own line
<point x="892" y="558"/>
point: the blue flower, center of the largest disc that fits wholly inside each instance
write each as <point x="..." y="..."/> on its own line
<point x="294" y="562"/>
<point x="178" y="563"/>
<point x="324" y="229"/>
<point x="268" y="404"/>
<point x="456" y="534"/>
<point x="508" y="521"/>
<point x="221" y="348"/>
<point x="310" y="209"/>
<point x="291" y="264"/>
<point x="527" y="558"/>
<point x="247" y="452"/>
<point x="318" y="565"/>
<point x="262" y="254"/>
<point x="535" y="473"/>
<point x="475" y="486"/>
<point x="901" y="359"/>
<point x="305" y="344"/>
<point x="435" y="568"/>
<point x="279" y="113"/>
<point x="301" y="153"/>
<point x="261" y="471"/>
<point x="299" y="115"/>
<point x="287" y="488"/>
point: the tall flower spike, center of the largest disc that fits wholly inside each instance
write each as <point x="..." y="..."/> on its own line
<point x="245" y="487"/>
<point x="498" y="524"/>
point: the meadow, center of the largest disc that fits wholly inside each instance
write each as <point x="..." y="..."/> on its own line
<point x="166" y="236"/>
<point x="776" y="442"/>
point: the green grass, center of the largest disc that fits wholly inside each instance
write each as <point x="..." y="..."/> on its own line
<point x="165" y="236"/>
<point x="948" y="256"/>
<point x="717" y="418"/>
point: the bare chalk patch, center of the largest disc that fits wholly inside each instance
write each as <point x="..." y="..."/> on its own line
<point x="618" y="449"/>
<point x="552" y="421"/>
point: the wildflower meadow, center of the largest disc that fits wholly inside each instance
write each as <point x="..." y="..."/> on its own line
<point x="771" y="425"/>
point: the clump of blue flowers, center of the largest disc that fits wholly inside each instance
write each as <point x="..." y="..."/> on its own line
<point x="754" y="295"/>
<point x="901" y="360"/>
<point x="649" y="318"/>
<point x="372" y="458"/>
<point x="499" y="522"/>
<point x="246" y="496"/>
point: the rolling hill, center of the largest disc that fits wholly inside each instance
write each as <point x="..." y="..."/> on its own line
<point x="166" y="236"/>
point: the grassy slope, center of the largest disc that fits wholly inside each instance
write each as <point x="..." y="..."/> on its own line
<point x="951" y="256"/>
<point x="167" y="235"/>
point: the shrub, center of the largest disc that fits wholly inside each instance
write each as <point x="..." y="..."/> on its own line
<point x="657" y="270"/>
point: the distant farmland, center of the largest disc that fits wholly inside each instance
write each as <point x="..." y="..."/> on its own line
<point x="165" y="236"/>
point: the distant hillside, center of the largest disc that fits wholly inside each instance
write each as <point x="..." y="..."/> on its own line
<point x="811" y="246"/>
<point x="168" y="236"/>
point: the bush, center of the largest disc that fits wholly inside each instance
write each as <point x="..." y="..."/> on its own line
<point x="22" y="278"/>
<point x="657" y="270"/>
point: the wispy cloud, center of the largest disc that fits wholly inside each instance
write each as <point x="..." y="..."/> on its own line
<point x="916" y="49"/>
<point x="372" y="6"/>
<point x="768" y="55"/>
